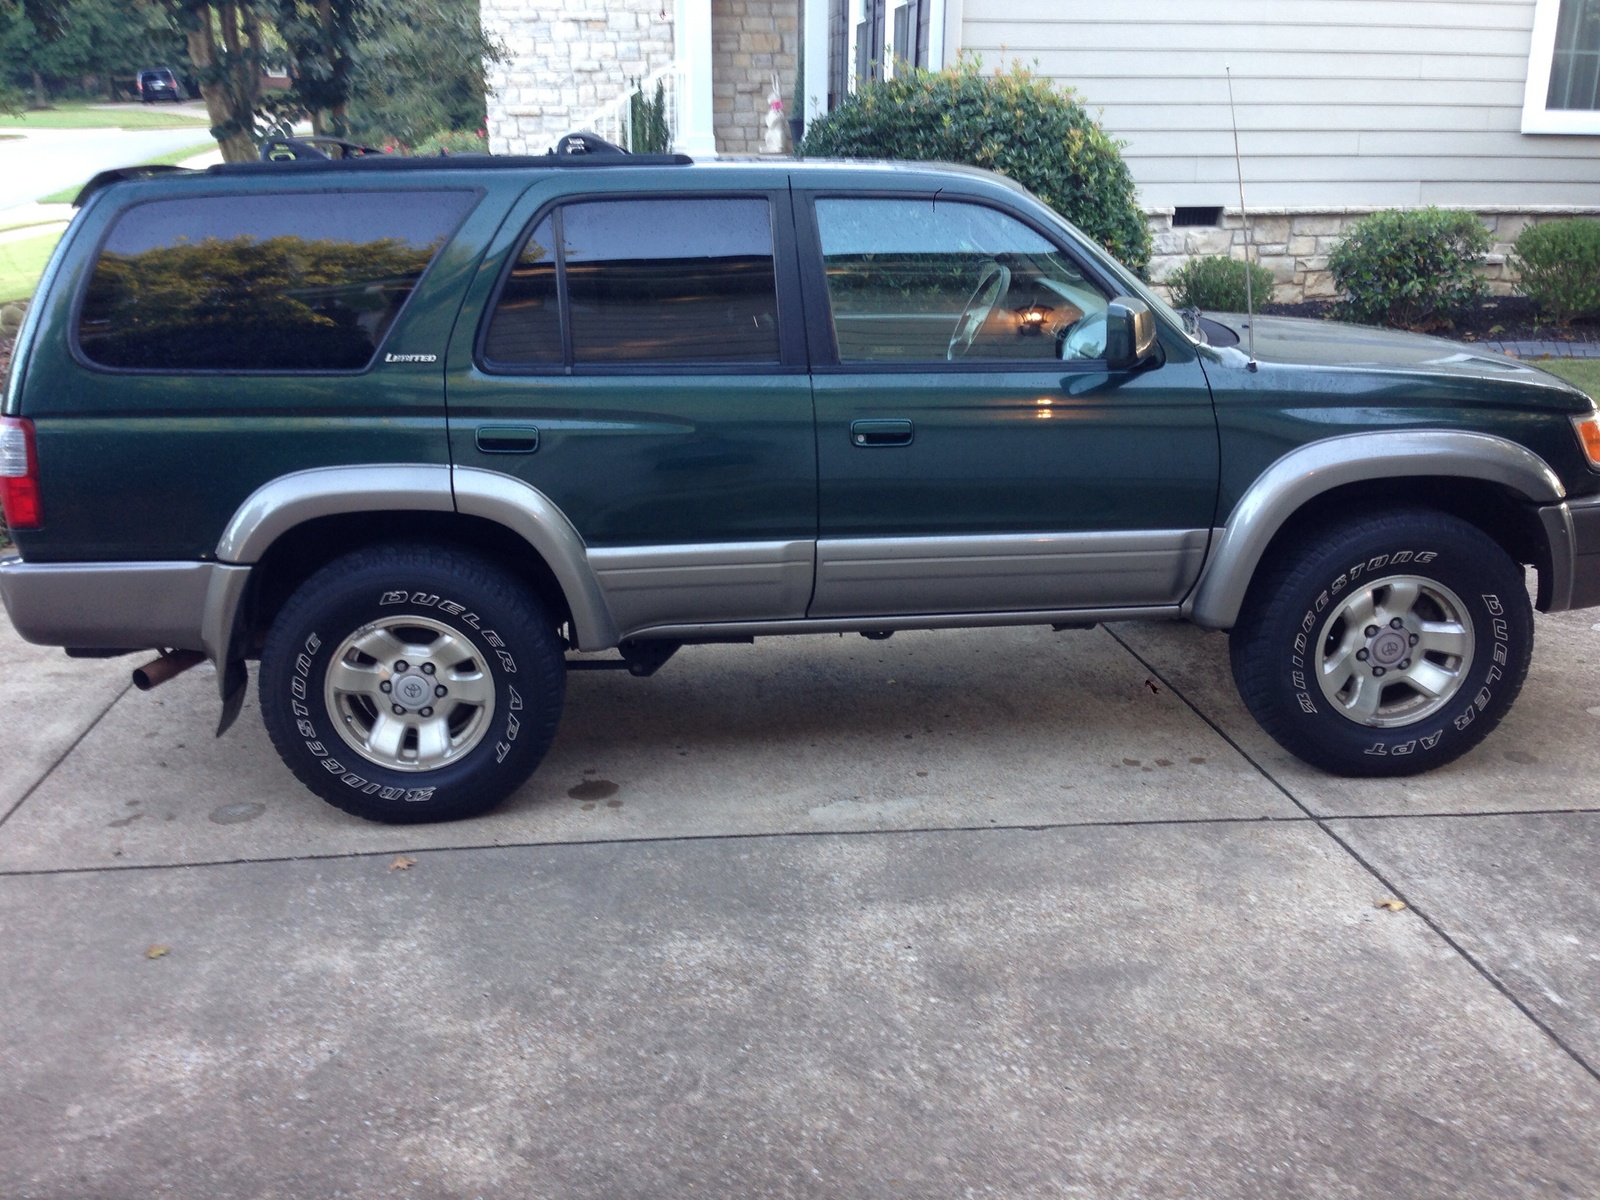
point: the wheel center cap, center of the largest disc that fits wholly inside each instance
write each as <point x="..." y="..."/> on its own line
<point x="413" y="691"/>
<point x="1389" y="647"/>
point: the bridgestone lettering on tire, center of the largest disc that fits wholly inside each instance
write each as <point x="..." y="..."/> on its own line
<point x="408" y="684"/>
<point x="1384" y="646"/>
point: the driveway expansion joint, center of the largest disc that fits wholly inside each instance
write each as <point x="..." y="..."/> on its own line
<point x="1389" y="886"/>
<point x="65" y="754"/>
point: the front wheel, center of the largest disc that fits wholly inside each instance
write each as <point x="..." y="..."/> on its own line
<point x="1385" y="646"/>
<point x="408" y="684"/>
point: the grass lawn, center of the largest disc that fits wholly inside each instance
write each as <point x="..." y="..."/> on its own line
<point x="77" y="114"/>
<point x="1585" y="372"/>
<point x="21" y="264"/>
<point x="172" y="157"/>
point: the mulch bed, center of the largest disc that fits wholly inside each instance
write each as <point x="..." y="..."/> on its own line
<point x="1497" y="319"/>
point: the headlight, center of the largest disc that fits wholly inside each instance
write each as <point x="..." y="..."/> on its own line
<point x="1588" y="428"/>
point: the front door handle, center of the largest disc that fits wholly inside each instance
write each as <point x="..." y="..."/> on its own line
<point x="868" y="434"/>
<point x="508" y="439"/>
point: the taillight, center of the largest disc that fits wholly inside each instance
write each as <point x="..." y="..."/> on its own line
<point x="19" y="474"/>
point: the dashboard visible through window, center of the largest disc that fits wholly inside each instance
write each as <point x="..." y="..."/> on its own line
<point x="925" y="279"/>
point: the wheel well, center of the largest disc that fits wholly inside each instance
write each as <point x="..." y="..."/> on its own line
<point x="310" y="546"/>
<point x="1511" y="520"/>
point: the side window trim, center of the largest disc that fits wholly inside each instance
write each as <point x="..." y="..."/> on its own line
<point x="819" y="307"/>
<point x="397" y="322"/>
<point x="792" y="356"/>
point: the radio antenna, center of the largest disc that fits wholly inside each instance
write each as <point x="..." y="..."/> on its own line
<point x="1244" y="219"/>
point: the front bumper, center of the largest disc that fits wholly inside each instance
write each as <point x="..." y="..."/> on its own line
<point x="1572" y="531"/>
<point x="1585" y="552"/>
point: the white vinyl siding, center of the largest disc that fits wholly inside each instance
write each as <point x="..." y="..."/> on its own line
<point x="1341" y="103"/>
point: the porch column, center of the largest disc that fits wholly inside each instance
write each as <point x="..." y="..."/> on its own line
<point x="814" y="87"/>
<point x="691" y="36"/>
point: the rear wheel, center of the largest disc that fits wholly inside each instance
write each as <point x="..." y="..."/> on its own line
<point x="412" y="684"/>
<point x="1384" y="646"/>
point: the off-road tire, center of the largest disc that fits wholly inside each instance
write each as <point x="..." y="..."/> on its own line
<point x="450" y="594"/>
<point x="1291" y="628"/>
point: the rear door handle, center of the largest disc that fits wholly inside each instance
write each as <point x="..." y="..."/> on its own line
<point x="508" y="439"/>
<point x="868" y="434"/>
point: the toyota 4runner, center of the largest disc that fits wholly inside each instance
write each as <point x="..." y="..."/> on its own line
<point x="407" y="431"/>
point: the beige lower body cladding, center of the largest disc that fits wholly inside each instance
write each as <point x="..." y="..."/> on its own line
<point x="1294" y="244"/>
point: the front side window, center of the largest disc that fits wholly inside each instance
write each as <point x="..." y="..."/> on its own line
<point x="928" y="279"/>
<point x="645" y="281"/>
<point x="308" y="282"/>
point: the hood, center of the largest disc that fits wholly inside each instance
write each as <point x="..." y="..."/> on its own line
<point x="1298" y="342"/>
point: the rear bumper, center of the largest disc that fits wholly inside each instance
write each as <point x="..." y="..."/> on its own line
<point x="125" y="606"/>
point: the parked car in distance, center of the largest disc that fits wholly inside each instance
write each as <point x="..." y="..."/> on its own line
<point x="158" y="83"/>
<point x="407" y="431"/>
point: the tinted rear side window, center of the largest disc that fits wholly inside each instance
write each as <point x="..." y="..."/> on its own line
<point x="307" y="282"/>
<point x="647" y="281"/>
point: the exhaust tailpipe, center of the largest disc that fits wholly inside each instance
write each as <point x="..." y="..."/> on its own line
<point x="155" y="673"/>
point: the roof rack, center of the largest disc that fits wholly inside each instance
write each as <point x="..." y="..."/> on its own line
<point x="452" y="162"/>
<point x="308" y="155"/>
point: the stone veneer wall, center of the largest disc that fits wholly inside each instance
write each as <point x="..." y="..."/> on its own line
<point x="1294" y="244"/>
<point x="751" y="39"/>
<point x="566" y="58"/>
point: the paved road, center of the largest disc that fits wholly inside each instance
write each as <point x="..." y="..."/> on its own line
<point x="47" y="160"/>
<point x="1003" y="913"/>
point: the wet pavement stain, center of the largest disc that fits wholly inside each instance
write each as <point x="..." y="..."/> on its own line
<point x="236" y="814"/>
<point x="124" y="822"/>
<point x="1521" y="756"/>
<point x="593" y="789"/>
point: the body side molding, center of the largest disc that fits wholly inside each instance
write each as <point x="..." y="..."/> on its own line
<point x="646" y="586"/>
<point x="529" y="513"/>
<point x="1069" y="617"/>
<point x="1309" y="470"/>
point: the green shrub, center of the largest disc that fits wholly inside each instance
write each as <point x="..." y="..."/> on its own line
<point x="1217" y="284"/>
<point x="1410" y="269"/>
<point x="1013" y="122"/>
<point x="1559" y="262"/>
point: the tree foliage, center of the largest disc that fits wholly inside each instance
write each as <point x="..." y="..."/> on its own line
<point x="1013" y="122"/>
<point x="90" y="41"/>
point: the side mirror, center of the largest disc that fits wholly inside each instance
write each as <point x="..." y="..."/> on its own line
<point x="1130" y="333"/>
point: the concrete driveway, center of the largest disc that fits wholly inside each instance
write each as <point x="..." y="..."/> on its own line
<point x="43" y="161"/>
<point x="997" y="913"/>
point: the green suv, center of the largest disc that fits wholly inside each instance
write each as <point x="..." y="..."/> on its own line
<point x="407" y="431"/>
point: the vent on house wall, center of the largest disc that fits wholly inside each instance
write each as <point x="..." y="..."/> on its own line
<point x="1197" y="216"/>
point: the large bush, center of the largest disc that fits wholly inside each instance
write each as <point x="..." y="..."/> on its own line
<point x="1559" y="262"/>
<point x="1412" y="269"/>
<point x="1217" y="284"/>
<point x="1013" y="122"/>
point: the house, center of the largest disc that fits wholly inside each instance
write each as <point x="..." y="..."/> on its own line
<point x="1344" y="106"/>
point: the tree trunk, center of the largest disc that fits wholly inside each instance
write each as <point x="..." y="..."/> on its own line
<point x="236" y="146"/>
<point x="41" y="97"/>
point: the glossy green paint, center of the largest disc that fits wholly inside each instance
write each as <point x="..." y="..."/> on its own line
<point x="645" y="457"/>
<point x="1320" y="379"/>
<point x="140" y="465"/>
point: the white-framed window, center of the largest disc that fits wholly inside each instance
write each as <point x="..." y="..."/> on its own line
<point x="1563" y="93"/>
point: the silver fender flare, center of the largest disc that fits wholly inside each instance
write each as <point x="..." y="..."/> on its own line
<point x="1307" y="471"/>
<point x="531" y="515"/>
<point x="290" y="500"/>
